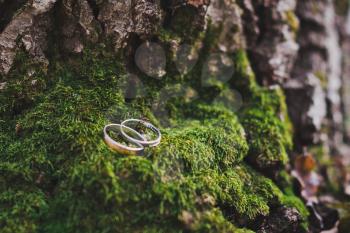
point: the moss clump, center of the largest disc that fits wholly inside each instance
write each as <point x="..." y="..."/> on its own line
<point x="293" y="201"/>
<point x="269" y="131"/>
<point x="213" y="221"/>
<point x="243" y="78"/>
<point x="38" y="144"/>
<point x="266" y="134"/>
<point x="218" y="144"/>
<point x="23" y="86"/>
<point x="130" y="194"/>
<point x="241" y="191"/>
<point x="25" y="207"/>
<point x="58" y="154"/>
<point x="264" y="118"/>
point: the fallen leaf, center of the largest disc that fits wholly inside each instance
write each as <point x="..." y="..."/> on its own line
<point x="308" y="179"/>
<point x="305" y="163"/>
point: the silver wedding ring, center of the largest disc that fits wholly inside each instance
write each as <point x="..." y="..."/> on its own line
<point x="116" y="146"/>
<point x="143" y="142"/>
<point x="139" y="141"/>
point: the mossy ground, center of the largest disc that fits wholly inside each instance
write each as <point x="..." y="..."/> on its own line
<point x="57" y="174"/>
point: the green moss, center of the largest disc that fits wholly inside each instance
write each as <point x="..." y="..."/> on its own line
<point x="24" y="209"/>
<point x="264" y="117"/>
<point x="60" y="141"/>
<point x="269" y="131"/>
<point x="218" y="144"/>
<point x="23" y="86"/>
<point x="322" y="77"/>
<point x="63" y="178"/>
<point x="292" y="201"/>
<point x="129" y="195"/>
<point x="292" y="21"/>
<point x="244" y="77"/>
<point x="167" y="36"/>
<point x="213" y="221"/>
<point x="289" y="198"/>
<point x="295" y="202"/>
<point x="238" y="190"/>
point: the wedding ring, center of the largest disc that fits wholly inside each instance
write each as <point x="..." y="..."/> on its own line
<point x="123" y="149"/>
<point x="144" y="141"/>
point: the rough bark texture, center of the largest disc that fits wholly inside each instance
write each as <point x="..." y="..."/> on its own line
<point x="238" y="88"/>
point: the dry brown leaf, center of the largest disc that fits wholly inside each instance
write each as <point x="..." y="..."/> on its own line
<point x="308" y="179"/>
<point x="305" y="163"/>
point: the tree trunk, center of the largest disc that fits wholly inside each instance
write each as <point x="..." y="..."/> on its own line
<point x="251" y="98"/>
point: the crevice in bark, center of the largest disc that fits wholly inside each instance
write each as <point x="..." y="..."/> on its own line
<point x="309" y="25"/>
<point x="165" y="5"/>
<point x="260" y="12"/>
<point x="94" y="7"/>
<point x="311" y="48"/>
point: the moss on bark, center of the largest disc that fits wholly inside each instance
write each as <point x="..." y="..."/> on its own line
<point x="59" y="176"/>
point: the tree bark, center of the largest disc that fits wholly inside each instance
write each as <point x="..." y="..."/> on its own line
<point x="68" y="67"/>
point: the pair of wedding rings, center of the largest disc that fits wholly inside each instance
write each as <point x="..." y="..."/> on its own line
<point x="137" y="140"/>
